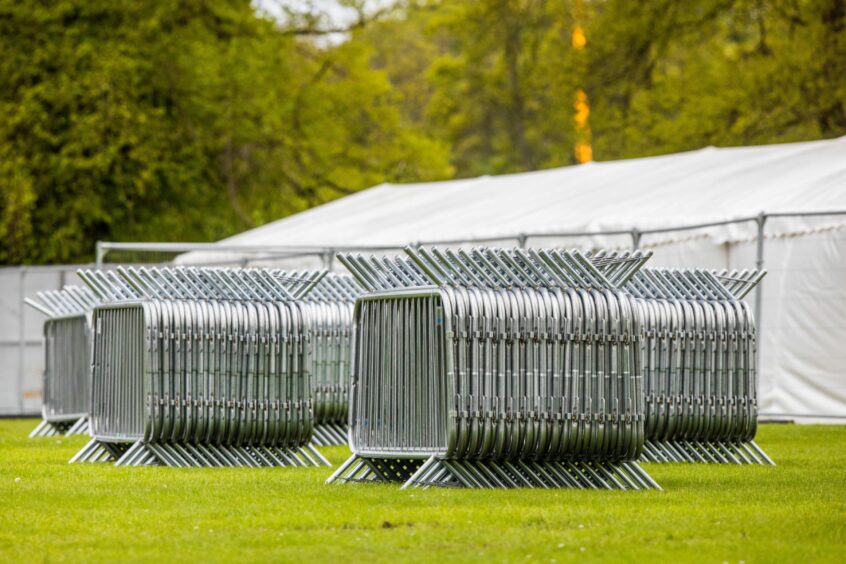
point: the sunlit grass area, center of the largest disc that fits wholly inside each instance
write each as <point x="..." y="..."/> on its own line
<point x="53" y="511"/>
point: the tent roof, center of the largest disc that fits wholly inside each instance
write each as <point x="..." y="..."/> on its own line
<point x="711" y="184"/>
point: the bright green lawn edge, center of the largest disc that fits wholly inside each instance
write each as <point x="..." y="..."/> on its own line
<point x="52" y="511"/>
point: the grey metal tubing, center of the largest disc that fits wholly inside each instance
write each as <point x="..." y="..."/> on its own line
<point x="67" y="343"/>
<point x="699" y="349"/>
<point x="206" y="367"/>
<point x="492" y="368"/>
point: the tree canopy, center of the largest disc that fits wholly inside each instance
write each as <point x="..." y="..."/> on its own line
<point x="193" y="120"/>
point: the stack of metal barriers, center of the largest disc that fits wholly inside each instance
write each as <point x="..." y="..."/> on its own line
<point x="331" y="307"/>
<point x="699" y="352"/>
<point x="201" y="367"/>
<point x="495" y="368"/>
<point x="66" y="382"/>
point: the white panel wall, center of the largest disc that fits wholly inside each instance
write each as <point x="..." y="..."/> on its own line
<point x="803" y="324"/>
<point x="21" y="357"/>
<point x="803" y="321"/>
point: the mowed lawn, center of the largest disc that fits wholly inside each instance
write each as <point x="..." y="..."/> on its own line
<point x="52" y="511"/>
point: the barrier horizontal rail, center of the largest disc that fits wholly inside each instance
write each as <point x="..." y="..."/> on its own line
<point x="495" y="368"/>
<point x="700" y="363"/>
<point x="67" y="346"/>
<point x="201" y="367"/>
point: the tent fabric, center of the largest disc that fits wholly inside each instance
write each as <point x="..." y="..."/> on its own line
<point x="803" y="324"/>
<point x="803" y="317"/>
<point x="708" y="185"/>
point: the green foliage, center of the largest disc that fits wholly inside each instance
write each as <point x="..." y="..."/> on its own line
<point x="185" y="120"/>
<point x="193" y="120"/>
<point x="716" y="72"/>
<point x="500" y="76"/>
<point x="53" y="511"/>
<point x="493" y="78"/>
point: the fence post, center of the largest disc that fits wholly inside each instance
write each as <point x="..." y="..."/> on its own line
<point x="759" y="264"/>
<point x="328" y="259"/>
<point x="21" y="338"/>
<point x="521" y="240"/>
<point x="101" y="254"/>
<point x="635" y="238"/>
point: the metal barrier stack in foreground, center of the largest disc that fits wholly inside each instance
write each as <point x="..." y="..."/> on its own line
<point x="495" y="368"/>
<point x="66" y="360"/>
<point x="201" y="367"/>
<point x="699" y="351"/>
<point x="331" y="307"/>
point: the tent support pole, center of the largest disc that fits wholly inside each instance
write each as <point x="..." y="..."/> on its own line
<point x="101" y="254"/>
<point x="759" y="264"/>
<point x="328" y="259"/>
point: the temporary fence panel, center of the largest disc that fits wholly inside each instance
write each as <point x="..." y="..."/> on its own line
<point x="330" y="305"/>
<point x="700" y="356"/>
<point x="66" y="382"/>
<point x="495" y="368"/>
<point x="201" y="367"/>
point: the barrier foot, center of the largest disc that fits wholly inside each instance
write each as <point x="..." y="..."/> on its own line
<point x="711" y="452"/>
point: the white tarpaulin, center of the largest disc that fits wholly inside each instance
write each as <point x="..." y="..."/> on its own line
<point x="804" y="296"/>
<point x="696" y="187"/>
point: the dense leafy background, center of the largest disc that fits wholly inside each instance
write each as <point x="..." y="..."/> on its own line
<point x="193" y="120"/>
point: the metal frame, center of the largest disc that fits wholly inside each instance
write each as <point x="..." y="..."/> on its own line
<point x="331" y="304"/>
<point x="699" y="349"/>
<point x="495" y="368"/>
<point x="17" y="346"/>
<point x="66" y="378"/>
<point x="201" y="367"/>
<point x="636" y="233"/>
<point x="327" y="252"/>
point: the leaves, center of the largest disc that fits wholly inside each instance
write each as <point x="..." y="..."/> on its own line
<point x="193" y="120"/>
<point x="181" y="121"/>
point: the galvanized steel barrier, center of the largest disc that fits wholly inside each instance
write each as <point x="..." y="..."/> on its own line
<point x="66" y="360"/>
<point x="201" y="367"/>
<point x="331" y="308"/>
<point x="495" y="368"/>
<point x="700" y="362"/>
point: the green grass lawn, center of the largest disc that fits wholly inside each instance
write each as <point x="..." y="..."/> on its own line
<point x="50" y="510"/>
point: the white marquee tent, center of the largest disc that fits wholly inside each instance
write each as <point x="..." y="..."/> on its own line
<point x="803" y="299"/>
<point x="696" y="187"/>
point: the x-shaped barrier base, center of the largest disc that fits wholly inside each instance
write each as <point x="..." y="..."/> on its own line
<point x="185" y="455"/>
<point x="439" y="472"/>
<point x="329" y="434"/>
<point x="60" y="428"/>
<point x="713" y="452"/>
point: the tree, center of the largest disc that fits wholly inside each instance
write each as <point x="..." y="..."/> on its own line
<point x="668" y="76"/>
<point x="496" y="78"/>
<point x="193" y="120"/>
<point x="182" y="121"/>
<point x="504" y="87"/>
